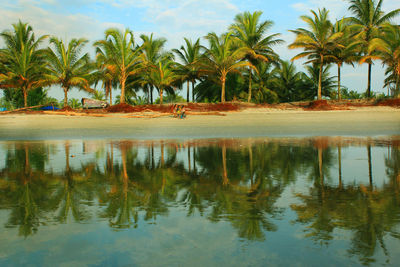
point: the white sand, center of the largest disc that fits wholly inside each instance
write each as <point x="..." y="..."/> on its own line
<point x="371" y="121"/>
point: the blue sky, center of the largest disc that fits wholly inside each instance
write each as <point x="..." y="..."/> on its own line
<point x="175" y="19"/>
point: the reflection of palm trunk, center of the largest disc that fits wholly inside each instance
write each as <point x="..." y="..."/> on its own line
<point x="194" y="159"/>
<point x="162" y="154"/>
<point x="225" y="174"/>
<point x="189" y="158"/>
<point x="251" y="163"/>
<point x="124" y="170"/>
<point x="27" y="164"/>
<point x="321" y="173"/>
<point x="152" y="155"/>
<point x="340" y="165"/>
<point x="66" y="145"/>
<point x="112" y="158"/>
<point x="369" y="166"/>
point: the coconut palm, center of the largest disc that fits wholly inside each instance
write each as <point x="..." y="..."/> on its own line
<point x="152" y="53"/>
<point x="67" y="67"/>
<point x="366" y="23"/>
<point x="106" y="73"/>
<point x="223" y="57"/>
<point x="317" y="42"/>
<point x="22" y="62"/>
<point x="287" y="81"/>
<point x="190" y="56"/>
<point x="387" y="47"/>
<point x="250" y="32"/>
<point x="163" y="76"/>
<point x="119" y="51"/>
<point x="346" y="53"/>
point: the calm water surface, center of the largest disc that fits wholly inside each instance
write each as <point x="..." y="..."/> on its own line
<point x="236" y="202"/>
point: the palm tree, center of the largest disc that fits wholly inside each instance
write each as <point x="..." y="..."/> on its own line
<point x="67" y="67"/>
<point x="387" y="47"/>
<point x="164" y="76"/>
<point x="346" y="52"/>
<point x="265" y="83"/>
<point x="152" y="53"/>
<point x="366" y="23"/>
<point x="287" y="81"/>
<point x="106" y="73"/>
<point x="118" y="50"/>
<point x="222" y="58"/>
<point x="190" y="56"/>
<point x="250" y="32"/>
<point x="318" y="42"/>
<point x="23" y="64"/>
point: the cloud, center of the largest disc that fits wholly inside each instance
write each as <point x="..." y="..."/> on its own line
<point x="339" y="8"/>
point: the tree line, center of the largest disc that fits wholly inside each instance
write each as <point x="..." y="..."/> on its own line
<point x="240" y="64"/>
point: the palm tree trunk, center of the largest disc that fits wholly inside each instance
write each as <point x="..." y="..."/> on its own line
<point x="249" y="95"/>
<point x="223" y="79"/>
<point x="161" y="96"/>
<point x="151" y="94"/>
<point x="338" y="89"/>
<point x="122" y="98"/>
<point x="369" y="80"/>
<point x="110" y="94"/>
<point x="193" y="91"/>
<point x="320" y="78"/>
<point x="65" y="96"/>
<point x="25" y="97"/>
<point x="187" y="92"/>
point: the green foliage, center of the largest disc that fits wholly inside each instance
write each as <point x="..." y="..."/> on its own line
<point x="22" y="62"/>
<point x="15" y="98"/>
<point x="98" y="95"/>
<point x="119" y="52"/>
<point x="171" y="98"/>
<point x="74" y="103"/>
<point x="346" y="94"/>
<point x="67" y="67"/>
<point x="318" y="42"/>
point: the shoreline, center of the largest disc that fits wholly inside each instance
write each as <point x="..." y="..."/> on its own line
<point x="259" y="122"/>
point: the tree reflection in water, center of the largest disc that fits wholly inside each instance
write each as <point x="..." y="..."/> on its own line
<point x="235" y="181"/>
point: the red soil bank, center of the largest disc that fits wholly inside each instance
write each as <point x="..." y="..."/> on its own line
<point x="390" y="102"/>
<point x="125" y="108"/>
<point x="319" y="105"/>
<point x="212" y="107"/>
<point x="121" y="108"/>
<point x="66" y="108"/>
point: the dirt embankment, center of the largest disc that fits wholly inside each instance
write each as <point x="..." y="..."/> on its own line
<point x="215" y="109"/>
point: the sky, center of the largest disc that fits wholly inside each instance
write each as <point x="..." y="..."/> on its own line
<point x="175" y="19"/>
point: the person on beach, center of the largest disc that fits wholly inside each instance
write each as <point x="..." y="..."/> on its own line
<point x="183" y="112"/>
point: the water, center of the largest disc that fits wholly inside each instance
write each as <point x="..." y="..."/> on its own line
<point x="220" y="202"/>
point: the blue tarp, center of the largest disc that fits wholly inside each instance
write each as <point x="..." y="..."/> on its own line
<point x="3" y="109"/>
<point x="49" y="108"/>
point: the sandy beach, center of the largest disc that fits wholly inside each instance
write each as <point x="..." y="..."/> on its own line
<point x="256" y="122"/>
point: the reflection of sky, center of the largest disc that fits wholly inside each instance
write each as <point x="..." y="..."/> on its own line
<point x="174" y="240"/>
<point x="178" y="239"/>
